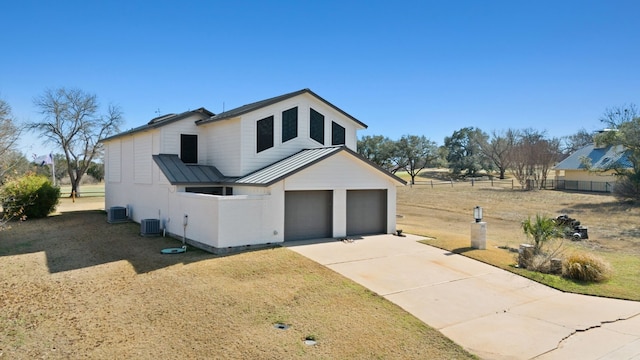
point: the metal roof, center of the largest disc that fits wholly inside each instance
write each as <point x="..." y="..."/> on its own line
<point x="300" y="161"/>
<point x="179" y="173"/>
<point x="287" y="166"/>
<point x="263" y="103"/>
<point x="161" y="121"/>
<point x="601" y="158"/>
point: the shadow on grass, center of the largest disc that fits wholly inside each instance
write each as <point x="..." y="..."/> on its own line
<point x="76" y="240"/>
<point x="461" y="250"/>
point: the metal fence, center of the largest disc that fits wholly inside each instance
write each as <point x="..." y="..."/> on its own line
<point x="507" y="183"/>
<point x="573" y="185"/>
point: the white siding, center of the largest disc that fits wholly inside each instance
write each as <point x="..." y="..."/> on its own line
<point x="222" y="143"/>
<point x="251" y="160"/>
<point x="114" y="160"/>
<point x="170" y="136"/>
<point x="341" y="171"/>
<point x="142" y="151"/>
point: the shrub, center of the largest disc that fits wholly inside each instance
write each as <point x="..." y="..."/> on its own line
<point x="541" y="230"/>
<point x="32" y="196"/>
<point x="586" y="267"/>
<point x="627" y="188"/>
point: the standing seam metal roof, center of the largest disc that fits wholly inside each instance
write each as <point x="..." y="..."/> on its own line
<point x="178" y="172"/>
<point x="287" y="166"/>
<point x="260" y="104"/>
<point x="300" y="161"/>
<point x="161" y="121"/>
<point x="601" y="158"/>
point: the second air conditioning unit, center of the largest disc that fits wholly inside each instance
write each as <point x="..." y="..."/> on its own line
<point x="150" y="227"/>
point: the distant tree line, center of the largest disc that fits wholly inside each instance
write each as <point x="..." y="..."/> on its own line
<point x="526" y="154"/>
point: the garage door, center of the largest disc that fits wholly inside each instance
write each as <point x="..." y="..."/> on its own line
<point x="366" y="212"/>
<point x="308" y="215"/>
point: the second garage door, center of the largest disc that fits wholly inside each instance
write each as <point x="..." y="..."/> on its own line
<point x="366" y="212"/>
<point x="308" y="215"/>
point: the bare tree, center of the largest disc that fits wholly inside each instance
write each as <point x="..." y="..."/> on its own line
<point x="497" y="149"/>
<point x="532" y="157"/>
<point x="73" y="123"/>
<point x="576" y="141"/>
<point x="9" y="134"/>
<point x="615" y="116"/>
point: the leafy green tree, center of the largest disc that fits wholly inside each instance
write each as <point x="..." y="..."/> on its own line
<point x="464" y="153"/>
<point x="72" y="121"/>
<point x="625" y="135"/>
<point x="414" y="153"/>
<point x="379" y="150"/>
<point x="96" y="170"/>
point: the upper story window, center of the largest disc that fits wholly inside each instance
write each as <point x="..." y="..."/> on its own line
<point x="289" y="124"/>
<point x="337" y="134"/>
<point x="189" y="148"/>
<point x="316" y="126"/>
<point x="264" y="137"/>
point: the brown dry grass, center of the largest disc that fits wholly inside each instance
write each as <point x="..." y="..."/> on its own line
<point x="445" y="212"/>
<point x="73" y="286"/>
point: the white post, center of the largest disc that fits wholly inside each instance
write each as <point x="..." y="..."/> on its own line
<point x="479" y="235"/>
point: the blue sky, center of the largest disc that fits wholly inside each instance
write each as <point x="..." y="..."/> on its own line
<point x="412" y="67"/>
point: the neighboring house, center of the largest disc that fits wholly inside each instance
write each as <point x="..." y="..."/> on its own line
<point x="280" y="169"/>
<point x="591" y="168"/>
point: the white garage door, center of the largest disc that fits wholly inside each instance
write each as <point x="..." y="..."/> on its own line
<point x="366" y="212"/>
<point x="308" y="215"/>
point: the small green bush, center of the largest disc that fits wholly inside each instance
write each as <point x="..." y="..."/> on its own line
<point x="586" y="267"/>
<point x="32" y="196"/>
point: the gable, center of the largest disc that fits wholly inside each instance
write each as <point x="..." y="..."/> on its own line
<point x="308" y="158"/>
<point x="233" y="113"/>
<point x="164" y="120"/>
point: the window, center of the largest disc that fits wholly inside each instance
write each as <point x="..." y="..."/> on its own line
<point x="189" y="149"/>
<point x="265" y="134"/>
<point x="316" y="126"/>
<point x="337" y="134"/>
<point x="289" y="124"/>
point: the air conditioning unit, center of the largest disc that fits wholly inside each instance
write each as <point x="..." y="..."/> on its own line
<point x="150" y="227"/>
<point x="117" y="214"/>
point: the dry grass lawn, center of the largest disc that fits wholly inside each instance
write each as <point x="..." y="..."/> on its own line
<point x="444" y="213"/>
<point x="73" y="286"/>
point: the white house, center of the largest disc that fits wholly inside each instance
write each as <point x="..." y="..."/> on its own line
<point x="280" y="169"/>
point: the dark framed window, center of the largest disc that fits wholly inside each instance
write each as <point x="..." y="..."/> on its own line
<point x="264" y="138"/>
<point x="189" y="148"/>
<point x="337" y="134"/>
<point x="289" y="124"/>
<point x="316" y="126"/>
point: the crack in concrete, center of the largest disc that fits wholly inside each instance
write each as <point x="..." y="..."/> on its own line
<point x="580" y="331"/>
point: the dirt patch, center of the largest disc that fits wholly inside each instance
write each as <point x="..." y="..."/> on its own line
<point x="613" y="226"/>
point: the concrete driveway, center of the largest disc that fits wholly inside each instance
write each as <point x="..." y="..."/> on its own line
<point x="490" y="312"/>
